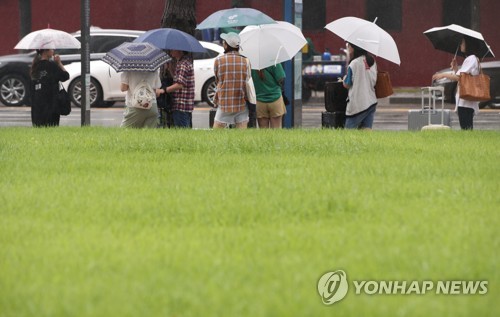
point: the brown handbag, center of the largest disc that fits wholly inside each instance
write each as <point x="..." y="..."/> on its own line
<point x="383" y="87"/>
<point x="474" y="88"/>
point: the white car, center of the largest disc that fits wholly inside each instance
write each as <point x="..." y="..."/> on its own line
<point x="105" y="81"/>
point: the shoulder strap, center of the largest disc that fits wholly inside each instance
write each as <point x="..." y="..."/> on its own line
<point x="479" y="65"/>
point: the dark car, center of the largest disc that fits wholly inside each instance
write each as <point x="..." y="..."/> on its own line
<point x="14" y="69"/>
<point x="491" y="69"/>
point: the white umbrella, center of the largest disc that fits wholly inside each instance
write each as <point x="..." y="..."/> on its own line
<point x="448" y="39"/>
<point x="269" y="44"/>
<point x="366" y="35"/>
<point x="47" y="39"/>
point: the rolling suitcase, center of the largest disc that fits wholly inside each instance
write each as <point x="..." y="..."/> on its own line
<point x="428" y="117"/>
<point x="335" y="96"/>
<point x="334" y="120"/>
<point x="335" y="105"/>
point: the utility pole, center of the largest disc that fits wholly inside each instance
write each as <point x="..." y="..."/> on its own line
<point x="85" y="57"/>
<point x="292" y="13"/>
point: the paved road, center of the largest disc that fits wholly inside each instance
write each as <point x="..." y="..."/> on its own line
<point x="388" y="116"/>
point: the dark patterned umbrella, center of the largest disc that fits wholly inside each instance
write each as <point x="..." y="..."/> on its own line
<point x="136" y="57"/>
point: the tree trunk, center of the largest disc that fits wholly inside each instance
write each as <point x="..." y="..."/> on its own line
<point x="24" y="17"/>
<point x="180" y="15"/>
<point x="239" y="4"/>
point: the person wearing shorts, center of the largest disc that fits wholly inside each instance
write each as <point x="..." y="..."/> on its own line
<point x="232" y="71"/>
<point x="270" y="105"/>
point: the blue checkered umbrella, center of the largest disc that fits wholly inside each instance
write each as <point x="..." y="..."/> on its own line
<point x="136" y="57"/>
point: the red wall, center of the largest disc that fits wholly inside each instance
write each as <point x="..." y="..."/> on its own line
<point x="419" y="60"/>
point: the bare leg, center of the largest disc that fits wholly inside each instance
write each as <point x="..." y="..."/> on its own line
<point x="276" y="122"/>
<point x="219" y="125"/>
<point x="242" y="125"/>
<point x="263" y="123"/>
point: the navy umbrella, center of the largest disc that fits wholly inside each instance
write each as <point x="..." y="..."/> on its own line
<point x="171" y="39"/>
<point x="138" y="57"/>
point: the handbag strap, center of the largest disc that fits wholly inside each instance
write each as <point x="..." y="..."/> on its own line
<point x="479" y="64"/>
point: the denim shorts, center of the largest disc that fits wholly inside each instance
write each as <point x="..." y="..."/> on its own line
<point x="231" y="117"/>
<point x="362" y="120"/>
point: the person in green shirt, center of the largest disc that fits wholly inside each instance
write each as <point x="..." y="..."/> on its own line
<point x="270" y="105"/>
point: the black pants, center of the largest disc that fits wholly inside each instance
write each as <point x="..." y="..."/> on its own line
<point x="465" y="117"/>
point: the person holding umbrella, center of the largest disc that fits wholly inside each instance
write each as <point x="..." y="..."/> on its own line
<point x="465" y="109"/>
<point x="232" y="71"/>
<point x="139" y="64"/>
<point x="182" y="89"/>
<point x="360" y="80"/>
<point x="47" y="71"/>
<point x="268" y="87"/>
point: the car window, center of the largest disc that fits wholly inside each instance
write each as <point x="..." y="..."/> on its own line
<point x="104" y="43"/>
<point x="68" y="51"/>
<point x="206" y="55"/>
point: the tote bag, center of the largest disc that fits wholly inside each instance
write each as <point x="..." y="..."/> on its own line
<point x="383" y="87"/>
<point x="474" y="88"/>
<point x="143" y="96"/>
<point x="251" y="96"/>
<point x="63" y="101"/>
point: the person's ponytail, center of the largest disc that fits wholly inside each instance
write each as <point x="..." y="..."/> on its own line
<point x="34" y="64"/>
<point x="369" y="59"/>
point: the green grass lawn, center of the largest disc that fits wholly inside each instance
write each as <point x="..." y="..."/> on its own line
<point x="114" y="222"/>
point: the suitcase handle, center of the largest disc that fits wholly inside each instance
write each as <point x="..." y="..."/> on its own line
<point x="430" y="93"/>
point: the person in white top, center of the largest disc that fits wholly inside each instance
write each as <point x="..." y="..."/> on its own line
<point x="465" y="109"/>
<point x="135" y="117"/>
<point x="360" y="79"/>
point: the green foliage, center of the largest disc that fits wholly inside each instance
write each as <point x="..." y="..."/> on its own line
<point x="115" y="222"/>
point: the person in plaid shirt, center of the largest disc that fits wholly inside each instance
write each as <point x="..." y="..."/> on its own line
<point x="182" y="90"/>
<point x="231" y="73"/>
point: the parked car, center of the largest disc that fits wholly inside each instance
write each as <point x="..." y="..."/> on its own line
<point x="491" y="69"/>
<point x="14" y="69"/>
<point x="105" y="81"/>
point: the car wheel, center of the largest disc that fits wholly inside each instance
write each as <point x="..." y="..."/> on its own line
<point x="208" y="92"/>
<point x="75" y="92"/>
<point x="14" y="90"/>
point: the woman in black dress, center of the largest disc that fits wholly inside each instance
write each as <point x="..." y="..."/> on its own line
<point x="47" y="71"/>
